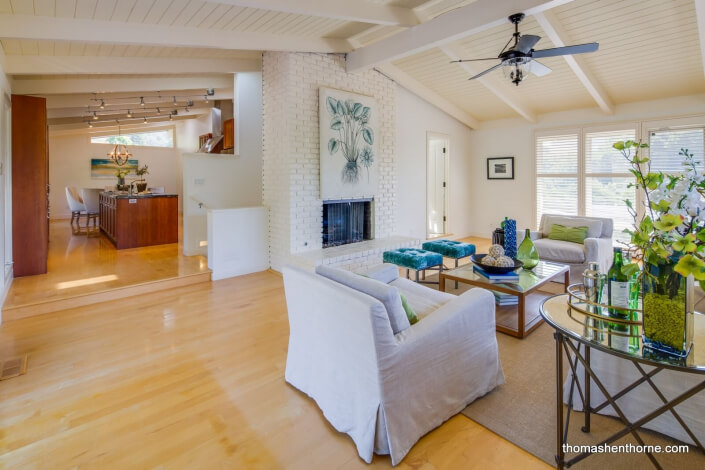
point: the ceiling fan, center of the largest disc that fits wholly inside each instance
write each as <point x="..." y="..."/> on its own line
<point x="520" y="59"/>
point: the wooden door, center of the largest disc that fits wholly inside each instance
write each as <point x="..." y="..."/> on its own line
<point x="30" y="179"/>
<point x="228" y="134"/>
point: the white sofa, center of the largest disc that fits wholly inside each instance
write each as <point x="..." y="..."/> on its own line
<point x="387" y="390"/>
<point x="597" y="246"/>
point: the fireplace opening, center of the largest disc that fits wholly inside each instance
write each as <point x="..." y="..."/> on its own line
<point x="347" y="221"/>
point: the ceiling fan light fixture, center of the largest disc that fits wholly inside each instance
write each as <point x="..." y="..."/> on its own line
<point x="517" y="69"/>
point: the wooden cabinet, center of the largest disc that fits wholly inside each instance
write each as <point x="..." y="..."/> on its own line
<point x="228" y="134"/>
<point x="133" y="221"/>
<point x="30" y="185"/>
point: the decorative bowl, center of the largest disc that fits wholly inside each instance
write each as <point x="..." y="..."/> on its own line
<point x="477" y="259"/>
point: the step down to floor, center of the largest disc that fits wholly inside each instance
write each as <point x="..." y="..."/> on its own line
<point x="17" y="312"/>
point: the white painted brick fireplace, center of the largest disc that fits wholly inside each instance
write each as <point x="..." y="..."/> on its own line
<point x="291" y="155"/>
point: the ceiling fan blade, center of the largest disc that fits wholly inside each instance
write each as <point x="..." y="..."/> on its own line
<point x="538" y="69"/>
<point x="567" y="50"/>
<point x="471" y="60"/>
<point x="526" y="43"/>
<point x="486" y="71"/>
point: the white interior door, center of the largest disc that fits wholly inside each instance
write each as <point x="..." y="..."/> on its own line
<point x="436" y="184"/>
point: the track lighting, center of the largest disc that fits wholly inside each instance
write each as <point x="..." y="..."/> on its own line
<point x="186" y="109"/>
<point x="145" y="119"/>
<point x="90" y="124"/>
<point x="206" y="97"/>
<point x="95" y="116"/>
<point x="129" y="113"/>
<point x="102" y="104"/>
<point x="141" y="100"/>
<point x="159" y="111"/>
<point x="175" y="101"/>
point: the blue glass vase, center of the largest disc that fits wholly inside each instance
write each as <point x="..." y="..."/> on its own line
<point x="510" y="238"/>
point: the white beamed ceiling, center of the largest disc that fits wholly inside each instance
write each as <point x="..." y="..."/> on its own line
<point x="649" y="49"/>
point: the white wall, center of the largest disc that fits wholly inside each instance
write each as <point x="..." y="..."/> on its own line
<point x="226" y="181"/>
<point x="492" y="200"/>
<point x="416" y="117"/>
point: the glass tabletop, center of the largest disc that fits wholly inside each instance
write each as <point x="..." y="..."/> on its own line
<point x="528" y="280"/>
<point x="595" y="332"/>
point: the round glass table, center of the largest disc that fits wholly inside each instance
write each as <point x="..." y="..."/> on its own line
<point x="577" y="333"/>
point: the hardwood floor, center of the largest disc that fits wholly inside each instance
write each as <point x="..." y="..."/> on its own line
<point x="84" y="262"/>
<point x="189" y="378"/>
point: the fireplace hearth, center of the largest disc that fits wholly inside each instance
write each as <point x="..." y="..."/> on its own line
<point x="347" y="221"/>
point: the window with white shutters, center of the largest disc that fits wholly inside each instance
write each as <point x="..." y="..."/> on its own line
<point x="607" y="179"/>
<point x="557" y="174"/>
<point x="579" y="173"/>
<point x="665" y="145"/>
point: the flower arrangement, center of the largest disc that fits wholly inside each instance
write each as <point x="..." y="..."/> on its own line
<point x="668" y="239"/>
<point x="141" y="172"/>
<point x="121" y="172"/>
<point x="673" y="220"/>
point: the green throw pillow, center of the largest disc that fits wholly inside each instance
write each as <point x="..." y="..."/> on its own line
<point x="568" y="234"/>
<point x="410" y="314"/>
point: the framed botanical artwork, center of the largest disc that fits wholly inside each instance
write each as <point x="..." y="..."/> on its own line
<point x="500" y="168"/>
<point x="348" y="138"/>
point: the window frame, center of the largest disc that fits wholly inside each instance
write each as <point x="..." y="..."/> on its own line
<point x="654" y="125"/>
<point x="581" y="174"/>
<point x="139" y="130"/>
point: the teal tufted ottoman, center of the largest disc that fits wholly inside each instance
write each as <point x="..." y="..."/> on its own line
<point x="450" y="249"/>
<point x="416" y="259"/>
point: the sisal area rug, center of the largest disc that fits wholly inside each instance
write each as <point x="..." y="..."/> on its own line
<point x="523" y="411"/>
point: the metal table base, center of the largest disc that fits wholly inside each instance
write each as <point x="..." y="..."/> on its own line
<point x="572" y="349"/>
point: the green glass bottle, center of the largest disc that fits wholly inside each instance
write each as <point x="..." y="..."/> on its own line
<point x="618" y="293"/>
<point x="527" y="252"/>
<point x="634" y="305"/>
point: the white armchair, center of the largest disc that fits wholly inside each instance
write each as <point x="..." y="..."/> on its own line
<point x="597" y="246"/>
<point x="386" y="390"/>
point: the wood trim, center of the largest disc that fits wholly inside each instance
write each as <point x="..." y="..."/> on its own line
<point x="40" y="308"/>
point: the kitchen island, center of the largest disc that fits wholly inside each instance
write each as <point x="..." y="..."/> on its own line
<point x="131" y="221"/>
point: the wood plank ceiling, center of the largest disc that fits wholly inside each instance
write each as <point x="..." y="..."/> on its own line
<point x="648" y="48"/>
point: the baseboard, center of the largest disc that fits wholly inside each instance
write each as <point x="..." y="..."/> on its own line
<point x="238" y="272"/>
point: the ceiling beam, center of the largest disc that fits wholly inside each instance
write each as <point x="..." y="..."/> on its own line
<point x="555" y="32"/>
<point x="410" y="83"/>
<point x="462" y="22"/>
<point x="700" y="15"/>
<point x="68" y="85"/>
<point x="336" y="9"/>
<point x="114" y="32"/>
<point x="502" y="90"/>
<point x="78" y="65"/>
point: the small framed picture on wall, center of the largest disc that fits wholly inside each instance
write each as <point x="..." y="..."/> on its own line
<point x="500" y="168"/>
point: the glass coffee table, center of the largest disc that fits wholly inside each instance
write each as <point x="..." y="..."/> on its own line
<point x="515" y="320"/>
